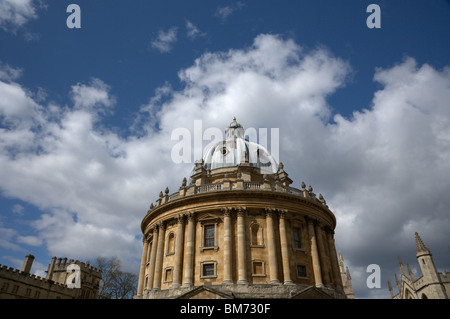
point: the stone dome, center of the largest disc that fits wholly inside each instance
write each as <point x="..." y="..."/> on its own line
<point x="236" y="149"/>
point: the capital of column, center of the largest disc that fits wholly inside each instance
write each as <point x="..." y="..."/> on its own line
<point x="226" y="211"/>
<point x="282" y="213"/>
<point x="241" y="211"/>
<point x="161" y="225"/>
<point x="180" y="219"/>
<point x="190" y="216"/>
<point x="269" y="212"/>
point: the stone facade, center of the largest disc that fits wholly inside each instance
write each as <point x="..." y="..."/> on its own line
<point x="239" y="231"/>
<point x="21" y="284"/>
<point x="431" y="285"/>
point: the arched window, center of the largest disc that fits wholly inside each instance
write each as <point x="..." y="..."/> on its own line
<point x="171" y="244"/>
<point x="256" y="235"/>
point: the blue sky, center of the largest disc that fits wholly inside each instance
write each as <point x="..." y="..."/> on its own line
<point x="86" y="116"/>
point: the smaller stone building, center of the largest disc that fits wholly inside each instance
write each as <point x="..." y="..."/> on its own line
<point x="431" y="285"/>
<point x="21" y="284"/>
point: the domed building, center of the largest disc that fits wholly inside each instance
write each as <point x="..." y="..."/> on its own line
<point x="237" y="229"/>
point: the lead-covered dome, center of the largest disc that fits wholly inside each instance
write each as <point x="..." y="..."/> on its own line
<point x="236" y="149"/>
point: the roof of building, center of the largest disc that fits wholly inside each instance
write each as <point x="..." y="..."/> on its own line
<point x="236" y="149"/>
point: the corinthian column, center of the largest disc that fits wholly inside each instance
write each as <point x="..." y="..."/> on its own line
<point x="151" y="268"/>
<point x="189" y="258"/>
<point x="242" y="260"/>
<point x="322" y="254"/>
<point x="142" y="269"/>
<point x="159" y="257"/>
<point x="273" y="264"/>
<point x="285" y="250"/>
<point x="227" y="242"/>
<point x="334" y="260"/>
<point x="178" y="252"/>
<point x="314" y="254"/>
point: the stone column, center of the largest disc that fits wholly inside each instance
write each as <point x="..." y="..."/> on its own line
<point x="273" y="264"/>
<point x="227" y="243"/>
<point x="189" y="256"/>
<point x="159" y="257"/>
<point x="285" y="250"/>
<point x="314" y="254"/>
<point x="322" y="254"/>
<point x="151" y="268"/>
<point x="178" y="252"/>
<point x="242" y="260"/>
<point x="142" y="269"/>
<point x="334" y="260"/>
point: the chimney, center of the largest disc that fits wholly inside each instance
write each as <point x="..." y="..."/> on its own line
<point x="51" y="268"/>
<point x="26" y="268"/>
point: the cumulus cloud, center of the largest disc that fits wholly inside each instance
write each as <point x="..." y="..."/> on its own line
<point x="15" y="13"/>
<point x="383" y="171"/>
<point x="165" y="40"/>
<point x="96" y="93"/>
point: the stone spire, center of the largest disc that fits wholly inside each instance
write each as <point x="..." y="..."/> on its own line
<point x="390" y="289"/>
<point x="349" y="278"/>
<point x="400" y="264"/>
<point x="410" y="273"/>
<point x="420" y="246"/>
<point x="397" y="282"/>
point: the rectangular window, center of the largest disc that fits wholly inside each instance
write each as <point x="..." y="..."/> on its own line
<point x="209" y="236"/>
<point x="301" y="271"/>
<point x="208" y="270"/>
<point x="5" y="286"/>
<point x="15" y="289"/>
<point x="297" y="240"/>
<point x="258" y="268"/>
<point x="169" y="274"/>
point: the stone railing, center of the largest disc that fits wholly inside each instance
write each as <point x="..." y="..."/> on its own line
<point x="228" y="185"/>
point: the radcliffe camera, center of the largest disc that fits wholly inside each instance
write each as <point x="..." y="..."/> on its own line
<point x="224" y="158"/>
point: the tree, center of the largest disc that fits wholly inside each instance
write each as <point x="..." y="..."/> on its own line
<point x="115" y="283"/>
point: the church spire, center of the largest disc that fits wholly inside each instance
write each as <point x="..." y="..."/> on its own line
<point x="420" y="246"/>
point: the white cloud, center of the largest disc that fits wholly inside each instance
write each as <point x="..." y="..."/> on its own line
<point x="192" y="31"/>
<point x="30" y="240"/>
<point x="15" y="13"/>
<point x="7" y="238"/>
<point x="165" y="40"/>
<point x="383" y="171"/>
<point x="8" y="73"/>
<point x="224" y="12"/>
<point x="95" y="94"/>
